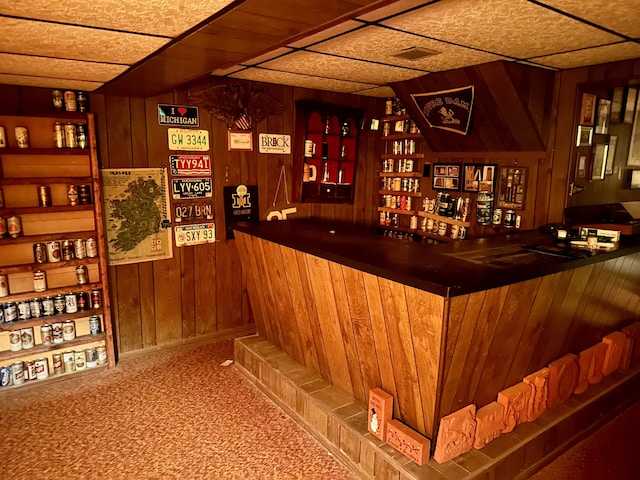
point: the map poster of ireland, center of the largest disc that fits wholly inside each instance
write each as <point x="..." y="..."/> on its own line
<point x="136" y="208"/>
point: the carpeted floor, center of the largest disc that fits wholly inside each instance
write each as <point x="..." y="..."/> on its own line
<point x="177" y="413"/>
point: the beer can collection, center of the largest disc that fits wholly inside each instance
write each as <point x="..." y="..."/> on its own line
<point x="57" y="97"/>
<point x="84" y="195"/>
<point x="14" y="226"/>
<point x="70" y="103"/>
<point x="40" y="253"/>
<point x="72" y="195"/>
<point x="82" y="275"/>
<point x="39" y="281"/>
<point x="94" y="325"/>
<point x="58" y="135"/>
<point x="70" y="136"/>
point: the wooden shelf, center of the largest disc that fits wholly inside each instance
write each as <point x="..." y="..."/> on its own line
<point x="395" y="118"/>
<point x="397" y="210"/>
<point x="10" y="355"/>
<point x="49" y="237"/>
<point x="33" y="267"/>
<point x="401" y="136"/>
<point x="401" y="174"/>
<point x="44" y="151"/>
<point x="401" y="155"/>
<point x="52" y="209"/>
<point x="56" y="378"/>
<point x="399" y="192"/>
<point x="19" y="297"/>
<point x="45" y="180"/>
<point x="36" y="322"/>
<point x="53" y="114"/>
<point x="451" y="221"/>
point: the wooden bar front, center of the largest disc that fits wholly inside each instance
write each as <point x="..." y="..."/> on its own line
<point x="457" y="334"/>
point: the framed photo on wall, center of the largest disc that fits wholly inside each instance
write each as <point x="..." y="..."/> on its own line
<point x="587" y="109"/>
<point x="446" y="176"/>
<point x="512" y="187"/>
<point x="602" y="118"/>
<point x="611" y="155"/>
<point x="584" y="137"/>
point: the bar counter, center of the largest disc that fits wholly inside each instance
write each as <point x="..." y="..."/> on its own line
<point x="437" y="326"/>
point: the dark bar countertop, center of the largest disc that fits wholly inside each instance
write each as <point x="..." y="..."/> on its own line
<point x="445" y="269"/>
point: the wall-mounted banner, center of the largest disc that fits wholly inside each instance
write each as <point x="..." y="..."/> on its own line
<point x="191" y="188"/>
<point x="178" y="115"/>
<point x="449" y="109"/>
<point x="271" y="143"/>
<point x="188" y="165"/>
<point x="240" y="205"/>
<point x="184" y="139"/>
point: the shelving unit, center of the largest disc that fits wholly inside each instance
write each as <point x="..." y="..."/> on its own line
<point x="331" y="131"/>
<point x="22" y="170"/>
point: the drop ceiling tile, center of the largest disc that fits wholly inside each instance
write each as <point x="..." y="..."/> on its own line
<point x="393" y="9"/>
<point x="79" y="43"/>
<point x="317" y="64"/>
<point x="592" y="56"/>
<point x="382" y="92"/>
<point x="516" y="28"/>
<point x="297" y="80"/>
<point x="379" y="44"/>
<point x="328" y="33"/>
<point x="617" y="15"/>
<point x="64" y="84"/>
<point x="69" y="69"/>
<point x="159" y="17"/>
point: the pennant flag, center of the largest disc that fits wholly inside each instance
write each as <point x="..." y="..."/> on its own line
<point x="449" y="109"/>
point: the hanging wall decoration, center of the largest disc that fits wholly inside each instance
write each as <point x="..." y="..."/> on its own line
<point x="238" y="106"/>
<point x="448" y="109"/>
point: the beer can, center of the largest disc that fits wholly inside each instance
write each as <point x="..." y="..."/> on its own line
<point x="24" y="310"/>
<point x="10" y="312"/>
<point x="68" y="360"/>
<point x="14" y="226"/>
<point x="47" y="307"/>
<point x="70" y="104"/>
<point x="509" y="219"/>
<point x="3" y="227"/>
<point x="80" y="359"/>
<point x="386" y="129"/>
<point x="58" y="366"/>
<point x="496" y="219"/>
<point x="442" y="228"/>
<point x="53" y="252"/>
<point x="42" y="368"/>
<point x="58" y="135"/>
<point x="40" y="252"/>
<point x="5" y="376"/>
<point x="83" y="301"/>
<point x="72" y="195"/>
<point x="22" y="137"/>
<point x="3" y="137"/>
<point x="94" y="325"/>
<point x="17" y="373"/>
<point x="58" y="99"/>
<point x="455" y="231"/>
<point x="82" y="102"/>
<point x="71" y="303"/>
<point x="57" y="333"/>
<point x="67" y="250"/>
<point x="90" y="357"/>
<point x="81" y="135"/>
<point x="79" y="248"/>
<point x="84" y="194"/>
<point x="96" y="299"/>
<point x="59" y="304"/>
<point x="44" y="196"/>
<point x="463" y="233"/>
<point x="39" y="281"/>
<point x="35" y="305"/>
<point x="4" y="285"/>
<point x="30" y="370"/>
<point x="26" y="335"/>
<point x="101" y="350"/>
<point x="45" y="334"/>
<point x="70" y="136"/>
<point x="92" y="247"/>
<point x="15" y="340"/>
<point x="68" y="330"/>
<point x="82" y="275"/>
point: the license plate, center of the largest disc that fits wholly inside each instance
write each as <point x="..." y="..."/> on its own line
<point x="192" y="211"/>
<point x="191" y="188"/>
<point x="186" y="235"/>
<point x="185" y="139"/>
<point x="188" y="165"/>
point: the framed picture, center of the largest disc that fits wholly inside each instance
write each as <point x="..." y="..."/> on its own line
<point x="588" y="109"/>
<point x="488" y="179"/>
<point x="633" y="160"/>
<point x="611" y="155"/>
<point x="584" y="137"/>
<point x="375" y="124"/>
<point x="602" y="119"/>
<point x="512" y="187"/>
<point x="599" y="161"/>
<point x="239" y="140"/>
<point x="472" y="177"/>
<point x="446" y="176"/>
<point x="616" y="104"/>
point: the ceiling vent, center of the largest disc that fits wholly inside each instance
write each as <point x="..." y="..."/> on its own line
<point x="415" y="53"/>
